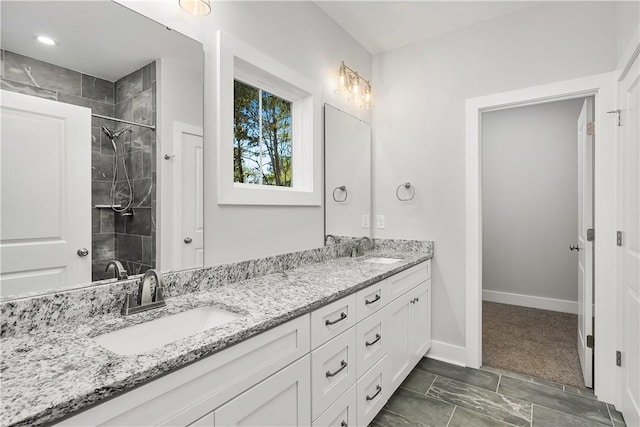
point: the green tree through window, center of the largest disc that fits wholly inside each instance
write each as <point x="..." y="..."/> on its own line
<point x="262" y="137"/>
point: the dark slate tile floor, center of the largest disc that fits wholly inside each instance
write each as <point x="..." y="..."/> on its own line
<point x="438" y="394"/>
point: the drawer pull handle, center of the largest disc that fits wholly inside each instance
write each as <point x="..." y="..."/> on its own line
<point x="368" y="344"/>
<point x="378" y="390"/>
<point x="344" y="424"/>
<point x="343" y="316"/>
<point x="330" y="374"/>
<point x="376" y="299"/>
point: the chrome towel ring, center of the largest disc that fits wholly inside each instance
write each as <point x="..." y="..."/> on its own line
<point x="342" y="188"/>
<point x="410" y="188"/>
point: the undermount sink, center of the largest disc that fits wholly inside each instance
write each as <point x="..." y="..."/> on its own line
<point x="382" y="260"/>
<point x="165" y="330"/>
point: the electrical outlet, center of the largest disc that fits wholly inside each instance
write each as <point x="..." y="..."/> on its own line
<point x="365" y="221"/>
<point x="380" y="221"/>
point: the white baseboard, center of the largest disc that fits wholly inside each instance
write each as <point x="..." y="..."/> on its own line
<point x="551" y="304"/>
<point x="449" y="353"/>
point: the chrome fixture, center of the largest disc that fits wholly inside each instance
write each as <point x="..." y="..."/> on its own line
<point x="118" y="269"/>
<point x="409" y="189"/>
<point x="196" y="7"/>
<point x="144" y="301"/>
<point x="330" y="239"/>
<point x="359" y="249"/>
<point x="350" y="84"/>
<point x="113" y="137"/>
<point x="342" y="188"/>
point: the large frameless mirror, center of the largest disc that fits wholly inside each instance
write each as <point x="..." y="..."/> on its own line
<point x="347" y="145"/>
<point x="101" y="145"/>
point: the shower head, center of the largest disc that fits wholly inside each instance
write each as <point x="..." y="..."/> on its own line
<point x="108" y="132"/>
<point x="112" y="134"/>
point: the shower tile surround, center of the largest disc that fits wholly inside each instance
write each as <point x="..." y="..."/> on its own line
<point x="48" y="336"/>
<point x="131" y="239"/>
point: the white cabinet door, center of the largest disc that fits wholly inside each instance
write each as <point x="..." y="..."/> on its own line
<point x="421" y="320"/>
<point x="400" y="350"/>
<point x="281" y="400"/>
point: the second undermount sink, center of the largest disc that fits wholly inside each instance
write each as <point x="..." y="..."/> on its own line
<point x="382" y="260"/>
<point x="156" y="333"/>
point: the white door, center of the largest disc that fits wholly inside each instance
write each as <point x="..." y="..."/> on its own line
<point x="45" y="202"/>
<point x="629" y="253"/>
<point x="585" y="247"/>
<point x="189" y="196"/>
<point x="284" y="399"/>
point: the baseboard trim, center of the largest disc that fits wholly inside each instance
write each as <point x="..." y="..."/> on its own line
<point x="448" y="353"/>
<point x="551" y="304"/>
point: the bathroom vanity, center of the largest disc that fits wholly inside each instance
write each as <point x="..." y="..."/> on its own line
<point x="323" y="343"/>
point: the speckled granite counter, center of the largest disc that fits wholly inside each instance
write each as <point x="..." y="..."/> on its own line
<point x="54" y="369"/>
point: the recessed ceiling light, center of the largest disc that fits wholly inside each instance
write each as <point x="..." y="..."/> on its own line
<point x="46" y="40"/>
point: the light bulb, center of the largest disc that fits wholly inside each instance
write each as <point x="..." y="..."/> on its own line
<point x="342" y="77"/>
<point x="355" y="86"/>
<point x="367" y="94"/>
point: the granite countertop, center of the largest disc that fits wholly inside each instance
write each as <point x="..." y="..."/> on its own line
<point x="53" y="371"/>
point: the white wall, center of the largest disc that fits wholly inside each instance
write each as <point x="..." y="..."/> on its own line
<point x="301" y="36"/>
<point x="530" y="200"/>
<point x="419" y="121"/>
<point x="628" y="25"/>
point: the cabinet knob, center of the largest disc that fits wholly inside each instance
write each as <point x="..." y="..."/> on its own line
<point x="188" y="240"/>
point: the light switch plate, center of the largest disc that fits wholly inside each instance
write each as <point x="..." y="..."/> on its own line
<point x="365" y="221"/>
<point x="380" y="221"/>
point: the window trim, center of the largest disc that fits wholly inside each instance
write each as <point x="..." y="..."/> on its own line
<point x="237" y="60"/>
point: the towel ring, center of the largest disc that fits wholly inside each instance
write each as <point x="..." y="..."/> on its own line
<point x="408" y="186"/>
<point x="341" y="188"/>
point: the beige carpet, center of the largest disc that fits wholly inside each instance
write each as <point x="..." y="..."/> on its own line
<point x="535" y="342"/>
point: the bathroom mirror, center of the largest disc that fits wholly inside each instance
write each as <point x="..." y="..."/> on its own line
<point x="101" y="145"/>
<point x="347" y="175"/>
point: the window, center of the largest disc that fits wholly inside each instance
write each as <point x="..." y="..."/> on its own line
<point x="261" y="137"/>
<point x="269" y="130"/>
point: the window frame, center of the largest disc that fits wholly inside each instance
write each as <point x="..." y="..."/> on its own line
<point x="239" y="61"/>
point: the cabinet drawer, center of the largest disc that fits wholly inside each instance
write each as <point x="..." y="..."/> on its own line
<point x="371" y="299"/>
<point x="373" y="392"/>
<point x="333" y="319"/>
<point x="371" y="337"/>
<point x="333" y="371"/>
<point x="408" y="279"/>
<point x="343" y="411"/>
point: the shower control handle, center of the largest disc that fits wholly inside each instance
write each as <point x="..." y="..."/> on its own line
<point x="83" y="252"/>
<point x="188" y="240"/>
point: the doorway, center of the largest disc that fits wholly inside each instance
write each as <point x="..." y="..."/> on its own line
<point x="602" y="89"/>
<point x="531" y="192"/>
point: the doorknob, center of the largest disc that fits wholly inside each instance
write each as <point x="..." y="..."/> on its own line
<point x="83" y="252"/>
<point x="574" y="248"/>
<point x="188" y="240"/>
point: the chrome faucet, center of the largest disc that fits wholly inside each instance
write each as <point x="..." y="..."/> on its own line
<point x="119" y="270"/>
<point x="359" y="249"/>
<point x="145" y="301"/>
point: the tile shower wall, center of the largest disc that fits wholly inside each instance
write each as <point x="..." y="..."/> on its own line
<point x="135" y="96"/>
<point x="36" y="78"/>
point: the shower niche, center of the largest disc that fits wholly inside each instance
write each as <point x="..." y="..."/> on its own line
<point x="121" y="76"/>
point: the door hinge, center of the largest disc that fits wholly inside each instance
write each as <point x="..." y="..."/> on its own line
<point x="591" y="234"/>
<point x="591" y="128"/>
<point x="619" y="238"/>
<point x="590" y="341"/>
<point x="618" y="358"/>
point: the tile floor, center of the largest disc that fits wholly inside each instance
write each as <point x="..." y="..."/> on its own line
<point x="439" y="394"/>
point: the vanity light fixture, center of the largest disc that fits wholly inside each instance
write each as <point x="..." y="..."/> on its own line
<point x="45" y="40"/>
<point x="196" y="7"/>
<point x="354" y="87"/>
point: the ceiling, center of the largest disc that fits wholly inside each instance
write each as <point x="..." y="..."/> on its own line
<point x="99" y="38"/>
<point x="383" y="25"/>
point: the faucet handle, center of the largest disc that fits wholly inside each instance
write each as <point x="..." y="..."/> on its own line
<point x="159" y="293"/>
